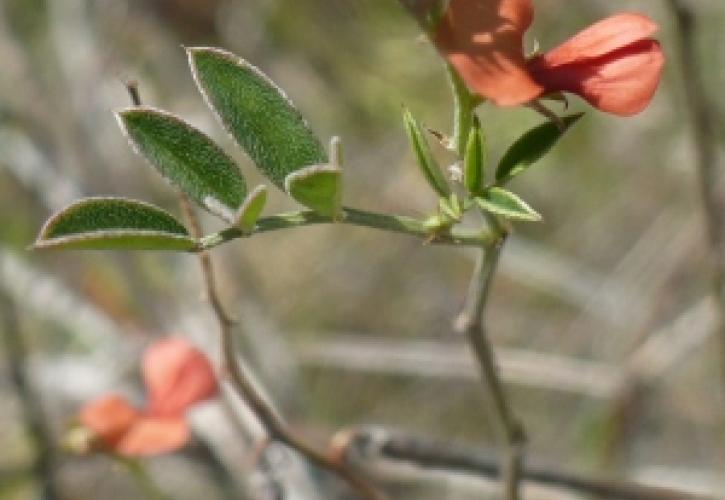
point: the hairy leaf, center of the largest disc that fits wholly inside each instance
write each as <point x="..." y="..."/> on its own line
<point x="185" y="156"/>
<point x="257" y="113"/>
<point x="113" y="224"/>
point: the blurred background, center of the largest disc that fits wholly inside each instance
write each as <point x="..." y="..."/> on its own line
<point x="601" y="314"/>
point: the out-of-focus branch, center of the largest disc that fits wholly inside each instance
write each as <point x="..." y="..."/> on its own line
<point x="381" y="450"/>
<point x="34" y="417"/>
<point x="705" y="143"/>
<point x="443" y="359"/>
<point x="276" y="429"/>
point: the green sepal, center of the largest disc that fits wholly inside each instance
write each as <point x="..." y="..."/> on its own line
<point x="450" y="209"/>
<point x="499" y="201"/>
<point x="318" y="187"/>
<point x="251" y="209"/>
<point x="186" y="157"/>
<point x="531" y="147"/>
<point x="256" y="112"/>
<point x="474" y="162"/>
<point x="113" y="224"/>
<point x="464" y="105"/>
<point x="424" y="156"/>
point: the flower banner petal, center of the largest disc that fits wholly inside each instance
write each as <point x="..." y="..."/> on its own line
<point x="483" y="41"/>
<point x="177" y="375"/>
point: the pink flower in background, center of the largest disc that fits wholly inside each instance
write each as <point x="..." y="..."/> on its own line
<point x="177" y="376"/>
<point x="614" y="64"/>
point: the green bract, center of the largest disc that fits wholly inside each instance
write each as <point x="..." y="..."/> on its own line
<point x="474" y="162"/>
<point x="251" y="209"/>
<point x="257" y="113"/>
<point x="190" y="160"/>
<point x="113" y="224"/>
<point x="318" y="187"/>
<point x="425" y="160"/>
<point x="501" y="202"/>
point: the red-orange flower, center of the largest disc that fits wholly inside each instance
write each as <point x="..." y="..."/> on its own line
<point x="613" y="64"/>
<point x="177" y="376"/>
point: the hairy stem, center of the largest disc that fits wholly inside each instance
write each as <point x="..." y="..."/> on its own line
<point x="354" y="217"/>
<point x="471" y="323"/>
<point x="275" y="428"/>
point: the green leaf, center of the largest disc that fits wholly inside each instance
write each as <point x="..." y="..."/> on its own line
<point x="318" y="187"/>
<point x="187" y="158"/>
<point x="113" y="224"/>
<point x="475" y="160"/>
<point x="251" y="209"/>
<point x="427" y="163"/>
<point x="501" y="202"/>
<point x="531" y="147"/>
<point x="256" y="112"/>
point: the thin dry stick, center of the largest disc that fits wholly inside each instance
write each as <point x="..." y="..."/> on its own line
<point x="705" y="141"/>
<point x="275" y="428"/>
<point x="368" y="445"/>
<point x="471" y="322"/>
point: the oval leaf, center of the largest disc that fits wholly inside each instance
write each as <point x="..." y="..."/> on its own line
<point x="318" y="187"/>
<point x="113" y="224"/>
<point x="256" y="112"/>
<point x="475" y="159"/>
<point x="531" y="147"/>
<point x="185" y="156"/>
<point x="506" y="204"/>
<point x="427" y="163"/>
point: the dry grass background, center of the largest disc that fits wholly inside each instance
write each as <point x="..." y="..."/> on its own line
<point x="601" y="313"/>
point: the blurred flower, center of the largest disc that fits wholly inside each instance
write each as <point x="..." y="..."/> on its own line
<point x="177" y="375"/>
<point x="613" y="64"/>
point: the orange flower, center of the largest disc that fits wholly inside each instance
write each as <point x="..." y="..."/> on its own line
<point x="613" y="64"/>
<point x="177" y="376"/>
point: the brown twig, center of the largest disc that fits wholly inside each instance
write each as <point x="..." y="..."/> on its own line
<point x="471" y="323"/>
<point x="705" y="143"/>
<point x="273" y="425"/>
<point x="38" y="430"/>
<point x="369" y="445"/>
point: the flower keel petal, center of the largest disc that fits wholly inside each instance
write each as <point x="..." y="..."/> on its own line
<point x="153" y="436"/>
<point x="109" y="418"/>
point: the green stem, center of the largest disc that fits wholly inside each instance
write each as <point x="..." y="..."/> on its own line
<point x="354" y="217"/>
<point x="144" y="479"/>
<point x="471" y="320"/>
<point x="471" y="323"/>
